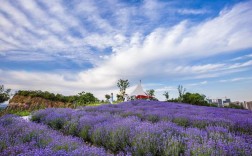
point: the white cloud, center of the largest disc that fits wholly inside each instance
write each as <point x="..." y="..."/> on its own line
<point x="58" y="83"/>
<point x="192" y="11"/>
<point x="160" y="51"/>
<point x="165" y="52"/>
<point x="197" y="84"/>
<point x="236" y="79"/>
<point x="151" y="9"/>
<point x="27" y="56"/>
<point x="242" y="57"/>
<point x="165" y="88"/>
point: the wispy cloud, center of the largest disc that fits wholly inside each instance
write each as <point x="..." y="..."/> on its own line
<point x="242" y="57"/>
<point x="165" y="88"/>
<point x="197" y="84"/>
<point x="126" y="43"/>
<point x="237" y="79"/>
<point x="192" y="11"/>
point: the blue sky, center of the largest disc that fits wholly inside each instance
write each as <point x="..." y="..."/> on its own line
<point x="72" y="46"/>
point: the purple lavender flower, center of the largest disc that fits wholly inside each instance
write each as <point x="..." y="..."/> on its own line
<point x="19" y="137"/>
<point x="156" y="128"/>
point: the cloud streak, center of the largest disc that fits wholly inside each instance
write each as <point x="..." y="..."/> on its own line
<point x="119" y="44"/>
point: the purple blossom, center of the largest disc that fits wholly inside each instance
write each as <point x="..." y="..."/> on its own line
<point x="19" y="137"/>
<point x="156" y="128"/>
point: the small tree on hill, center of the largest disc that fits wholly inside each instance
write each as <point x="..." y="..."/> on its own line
<point x="166" y="94"/>
<point x="181" y="91"/>
<point x="123" y="85"/>
<point x="4" y="94"/>
<point x="151" y="92"/>
<point x="107" y="97"/>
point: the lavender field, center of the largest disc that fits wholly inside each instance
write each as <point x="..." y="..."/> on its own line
<point x="131" y="128"/>
<point x="19" y="137"/>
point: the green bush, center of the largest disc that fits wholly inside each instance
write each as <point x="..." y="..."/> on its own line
<point x="232" y="105"/>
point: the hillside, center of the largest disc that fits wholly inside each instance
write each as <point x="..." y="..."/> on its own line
<point x="20" y="102"/>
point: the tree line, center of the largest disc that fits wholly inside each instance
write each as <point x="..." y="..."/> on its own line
<point x="82" y="98"/>
<point x="187" y="97"/>
<point x="183" y="96"/>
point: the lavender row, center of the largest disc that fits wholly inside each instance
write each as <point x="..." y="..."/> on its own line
<point x="132" y="135"/>
<point x="19" y="137"/>
<point x="237" y="121"/>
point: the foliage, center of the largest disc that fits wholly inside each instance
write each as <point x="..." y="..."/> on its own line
<point x="194" y="98"/>
<point x="47" y="95"/>
<point x="232" y="105"/>
<point x="119" y="97"/>
<point x="166" y="94"/>
<point x="151" y="92"/>
<point x="85" y="98"/>
<point x="181" y="91"/>
<point x="4" y="94"/>
<point x="173" y="100"/>
<point x="80" y="99"/>
<point x="189" y="98"/>
<point x="123" y="85"/>
<point x="107" y="96"/>
<point x="20" y="113"/>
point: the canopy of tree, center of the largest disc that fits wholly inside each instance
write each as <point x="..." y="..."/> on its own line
<point x="194" y="98"/>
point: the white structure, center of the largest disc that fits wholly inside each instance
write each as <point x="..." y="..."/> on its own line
<point x="247" y="105"/>
<point x="111" y="98"/>
<point x="139" y="92"/>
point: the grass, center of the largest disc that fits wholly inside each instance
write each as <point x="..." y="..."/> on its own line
<point x="101" y="103"/>
<point x="16" y="112"/>
<point x="23" y="113"/>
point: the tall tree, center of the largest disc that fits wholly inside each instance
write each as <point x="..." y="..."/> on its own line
<point x="4" y="94"/>
<point x="123" y="85"/>
<point x="166" y="94"/>
<point x="181" y="91"/>
<point x="151" y="92"/>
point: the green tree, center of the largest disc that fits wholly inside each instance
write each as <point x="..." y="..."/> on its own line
<point x="4" y="94"/>
<point x="86" y="98"/>
<point x="194" y="98"/>
<point x="107" y="97"/>
<point x="151" y="92"/>
<point x="119" y="97"/>
<point x="232" y="105"/>
<point x="181" y="91"/>
<point x="123" y="85"/>
<point x="166" y="94"/>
